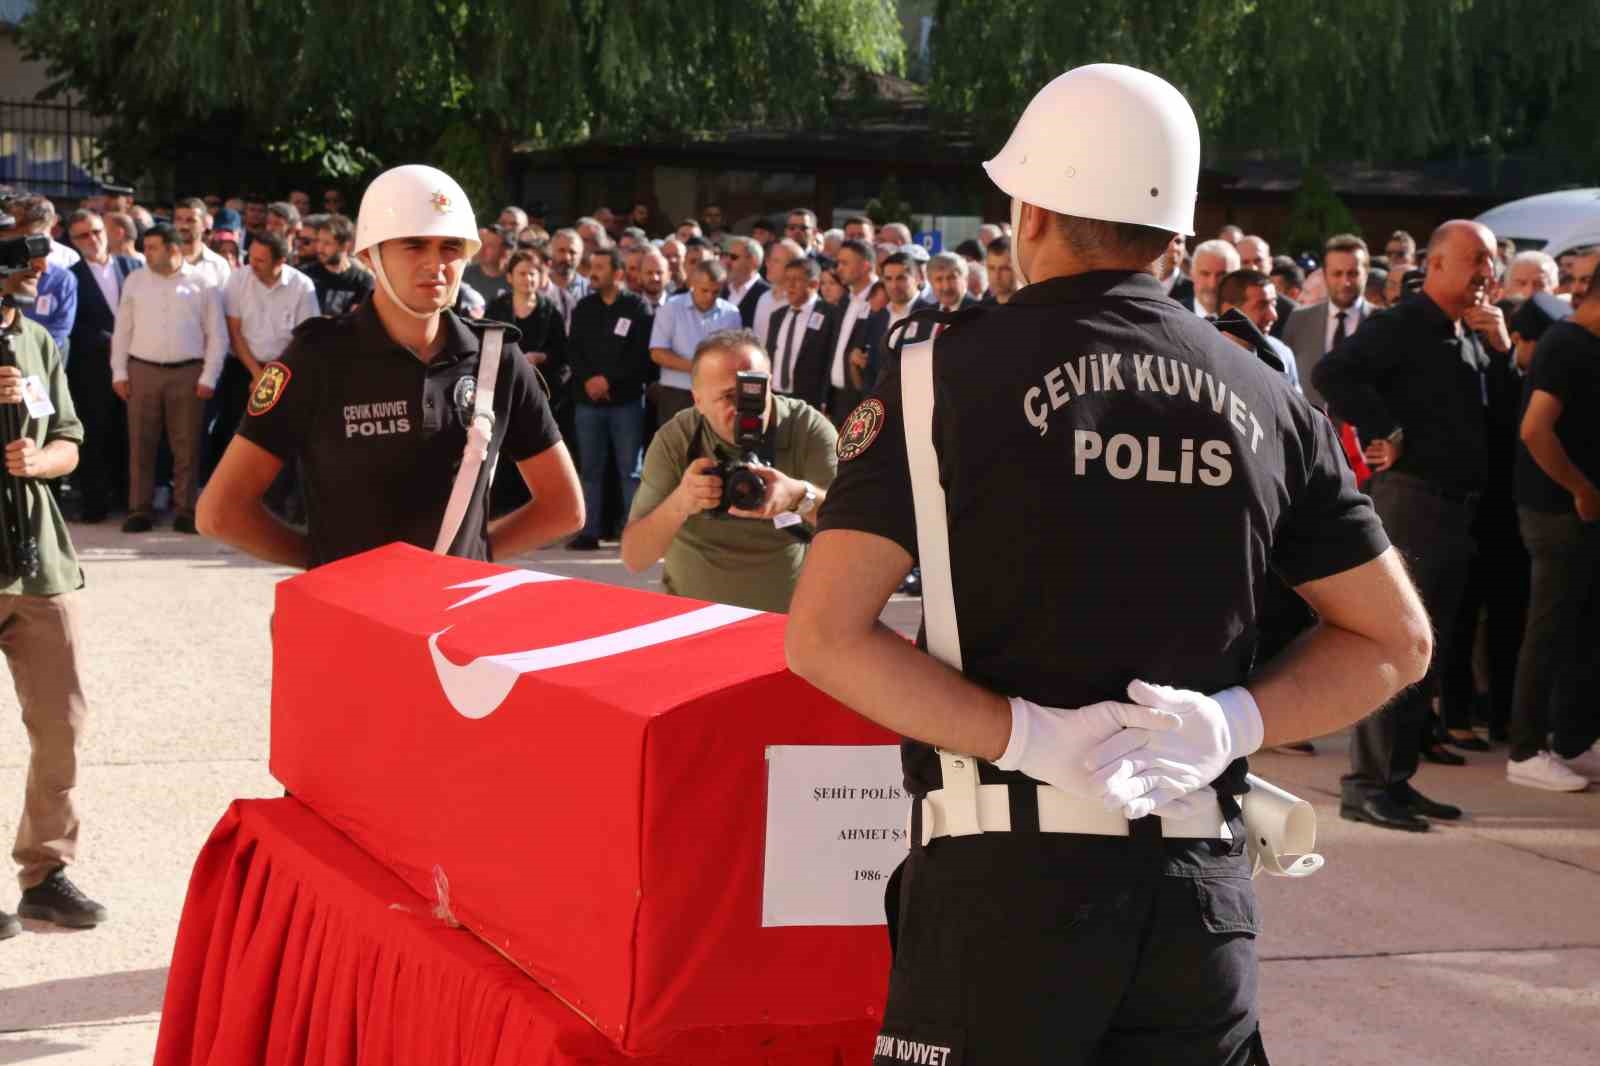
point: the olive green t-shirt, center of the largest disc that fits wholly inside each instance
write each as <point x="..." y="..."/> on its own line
<point x="38" y="356"/>
<point x="741" y="561"/>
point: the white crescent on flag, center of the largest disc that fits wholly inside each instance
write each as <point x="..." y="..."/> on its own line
<point x="478" y="688"/>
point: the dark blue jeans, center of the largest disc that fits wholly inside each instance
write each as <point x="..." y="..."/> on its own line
<point x="615" y="434"/>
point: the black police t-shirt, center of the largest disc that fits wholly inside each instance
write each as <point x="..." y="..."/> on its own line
<point x="338" y="292"/>
<point x="1119" y="478"/>
<point x="379" y="435"/>
<point x="1566" y="364"/>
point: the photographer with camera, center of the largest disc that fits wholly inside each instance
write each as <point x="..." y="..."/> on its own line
<point x="731" y="486"/>
<point x="39" y="578"/>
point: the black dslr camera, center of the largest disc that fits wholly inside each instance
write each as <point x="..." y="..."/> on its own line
<point x="18" y="253"/>
<point x="742" y="487"/>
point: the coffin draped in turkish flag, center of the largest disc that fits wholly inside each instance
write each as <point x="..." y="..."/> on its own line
<point x="585" y="765"/>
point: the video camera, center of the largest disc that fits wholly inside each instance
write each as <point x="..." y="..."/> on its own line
<point x="18" y="253"/>
<point x="742" y="487"/>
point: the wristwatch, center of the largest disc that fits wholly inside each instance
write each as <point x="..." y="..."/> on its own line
<point x="808" y="502"/>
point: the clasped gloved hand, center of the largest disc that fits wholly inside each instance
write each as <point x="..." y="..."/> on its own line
<point x="1164" y="772"/>
<point x="1072" y="748"/>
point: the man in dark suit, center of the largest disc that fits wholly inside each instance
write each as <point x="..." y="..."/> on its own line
<point x="1256" y="254"/>
<point x="876" y="356"/>
<point x="103" y="460"/>
<point x="1316" y="330"/>
<point x="742" y="256"/>
<point x="1179" y="285"/>
<point x="947" y="277"/>
<point x="801" y="335"/>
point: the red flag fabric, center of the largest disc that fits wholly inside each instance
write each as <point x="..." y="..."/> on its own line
<point x="587" y="767"/>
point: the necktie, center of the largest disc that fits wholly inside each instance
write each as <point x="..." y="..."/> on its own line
<point x="1339" y="331"/>
<point x="791" y="343"/>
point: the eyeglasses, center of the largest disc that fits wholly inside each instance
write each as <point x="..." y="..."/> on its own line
<point x="83" y="236"/>
<point x="797" y="225"/>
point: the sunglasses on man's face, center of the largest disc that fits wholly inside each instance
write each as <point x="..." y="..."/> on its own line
<point x="83" y="235"/>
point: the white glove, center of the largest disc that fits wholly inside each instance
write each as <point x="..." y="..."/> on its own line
<point x="1174" y="763"/>
<point x="1068" y="747"/>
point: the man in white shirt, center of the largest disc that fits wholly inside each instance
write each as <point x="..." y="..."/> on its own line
<point x="653" y="277"/>
<point x="166" y="356"/>
<point x="778" y="257"/>
<point x="262" y="306"/>
<point x="857" y="276"/>
<point x="190" y="219"/>
<point x="1314" y="330"/>
<point x="742" y="256"/>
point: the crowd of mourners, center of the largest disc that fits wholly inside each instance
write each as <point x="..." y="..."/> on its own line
<point x="214" y="288"/>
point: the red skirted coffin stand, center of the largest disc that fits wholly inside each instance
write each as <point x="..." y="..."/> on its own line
<point x="584" y="772"/>
<point x="296" y="948"/>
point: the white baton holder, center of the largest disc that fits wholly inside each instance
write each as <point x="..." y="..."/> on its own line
<point x="479" y="434"/>
<point x="1282" y="828"/>
<point x="1279" y="826"/>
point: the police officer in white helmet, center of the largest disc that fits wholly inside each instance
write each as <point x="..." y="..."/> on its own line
<point x="1095" y="484"/>
<point x="397" y="412"/>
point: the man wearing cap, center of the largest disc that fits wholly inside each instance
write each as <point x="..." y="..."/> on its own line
<point x="393" y="413"/>
<point x="1078" y="888"/>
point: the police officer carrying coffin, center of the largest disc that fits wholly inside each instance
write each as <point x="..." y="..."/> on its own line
<point x="393" y="412"/>
<point x="1093" y="511"/>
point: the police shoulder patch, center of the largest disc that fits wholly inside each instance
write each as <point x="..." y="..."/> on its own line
<point x="269" y="388"/>
<point x="860" y="429"/>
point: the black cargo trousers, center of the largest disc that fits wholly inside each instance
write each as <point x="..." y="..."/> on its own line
<point x="1028" y="948"/>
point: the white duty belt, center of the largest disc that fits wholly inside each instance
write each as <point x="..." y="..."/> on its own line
<point x="479" y="433"/>
<point x="1281" y="828"/>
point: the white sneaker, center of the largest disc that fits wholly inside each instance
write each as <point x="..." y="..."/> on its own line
<point x="1545" y="771"/>
<point x="1587" y="764"/>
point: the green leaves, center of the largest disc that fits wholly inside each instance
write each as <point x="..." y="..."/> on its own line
<point x="1362" y="79"/>
<point x="346" y="88"/>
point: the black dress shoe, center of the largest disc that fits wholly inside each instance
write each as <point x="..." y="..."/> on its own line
<point x="1383" y="812"/>
<point x="581" y="543"/>
<point x="58" y="900"/>
<point x="138" y="523"/>
<point x="1471" y="742"/>
<point x="184" y="523"/>
<point x="1417" y="803"/>
<point x="9" y="926"/>
<point x="1443" y="756"/>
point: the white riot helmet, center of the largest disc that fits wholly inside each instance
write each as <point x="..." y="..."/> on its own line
<point x="1105" y="142"/>
<point x="413" y="201"/>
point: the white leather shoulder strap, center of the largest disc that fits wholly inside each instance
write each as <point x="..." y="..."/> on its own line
<point x="958" y="773"/>
<point x="927" y="494"/>
<point x="479" y="434"/>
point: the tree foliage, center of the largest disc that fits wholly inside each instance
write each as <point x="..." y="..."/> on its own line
<point x="338" y="89"/>
<point x="1357" y="79"/>
<point x="1315" y="213"/>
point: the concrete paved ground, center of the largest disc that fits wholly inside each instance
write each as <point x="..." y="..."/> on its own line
<point x="1477" y="943"/>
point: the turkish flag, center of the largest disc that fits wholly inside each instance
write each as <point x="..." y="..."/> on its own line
<point x="586" y="766"/>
